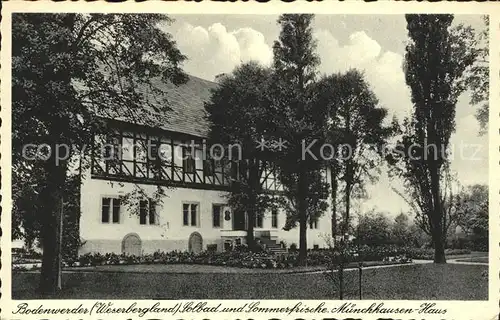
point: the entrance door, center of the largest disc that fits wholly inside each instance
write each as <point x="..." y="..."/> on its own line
<point x="239" y="220"/>
<point x="131" y="244"/>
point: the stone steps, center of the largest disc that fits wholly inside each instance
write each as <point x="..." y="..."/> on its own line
<point x="272" y="246"/>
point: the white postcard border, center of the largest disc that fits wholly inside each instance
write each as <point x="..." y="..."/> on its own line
<point x="456" y="309"/>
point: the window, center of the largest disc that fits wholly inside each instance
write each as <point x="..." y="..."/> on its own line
<point x="110" y="210"/>
<point x="243" y="170"/>
<point x="234" y="170"/>
<point x="105" y="210"/>
<point x="128" y="148"/>
<point x="154" y="158"/>
<point x="217" y="163"/>
<point x="188" y="163"/>
<point x="313" y="223"/>
<point x="274" y="218"/>
<point x="324" y="175"/>
<point x="193" y="214"/>
<point x="116" y="210"/>
<point x="185" y="214"/>
<point x="258" y="220"/>
<point x="208" y="167"/>
<point x="147" y="212"/>
<point x="112" y="155"/>
<point x="190" y="214"/>
<point x="212" y="247"/>
<point x="217" y="215"/>
<point x="152" y="212"/>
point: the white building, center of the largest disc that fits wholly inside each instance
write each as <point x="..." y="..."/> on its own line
<point x="194" y="214"/>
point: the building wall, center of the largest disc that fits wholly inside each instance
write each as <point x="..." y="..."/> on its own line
<point x="169" y="233"/>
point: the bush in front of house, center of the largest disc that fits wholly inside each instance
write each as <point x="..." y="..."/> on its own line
<point x="243" y="258"/>
<point x="383" y="253"/>
<point x="236" y="258"/>
<point x="22" y="255"/>
<point x="377" y="253"/>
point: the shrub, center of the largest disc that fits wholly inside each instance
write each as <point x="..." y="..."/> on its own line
<point x="244" y="258"/>
<point x="25" y="255"/>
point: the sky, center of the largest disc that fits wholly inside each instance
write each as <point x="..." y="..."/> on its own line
<point x="375" y="44"/>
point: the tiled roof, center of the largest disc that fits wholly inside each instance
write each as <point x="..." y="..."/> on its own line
<point x="186" y="101"/>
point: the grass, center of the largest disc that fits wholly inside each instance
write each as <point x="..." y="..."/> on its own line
<point x="197" y="268"/>
<point x="425" y="281"/>
<point x="474" y="259"/>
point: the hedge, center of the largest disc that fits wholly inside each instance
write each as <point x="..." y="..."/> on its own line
<point x="245" y="259"/>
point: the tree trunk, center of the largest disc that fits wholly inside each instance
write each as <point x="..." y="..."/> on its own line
<point x="250" y="227"/>
<point x="439" y="256"/>
<point x="341" y="278"/>
<point x="437" y="214"/>
<point x="302" y="216"/>
<point x="438" y="238"/>
<point x="254" y="183"/>
<point x="348" y="179"/>
<point x="51" y="199"/>
<point x="333" y="178"/>
<point x="345" y="229"/>
<point x="50" y="259"/>
<point x="250" y="231"/>
<point x="303" y="240"/>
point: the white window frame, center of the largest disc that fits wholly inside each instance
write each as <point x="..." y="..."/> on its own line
<point x="221" y="215"/>
<point x="257" y="219"/>
<point x="111" y="206"/>
<point x="314" y="225"/>
<point x="156" y="222"/>
<point x="277" y="218"/>
<point x="198" y="222"/>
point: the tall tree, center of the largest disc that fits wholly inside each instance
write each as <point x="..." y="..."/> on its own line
<point x="295" y="63"/>
<point x="433" y="68"/>
<point x="239" y="113"/>
<point x="356" y="132"/>
<point x="419" y="201"/>
<point x="400" y="230"/>
<point x="69" y="71"/>
<point x="477" y="76"/>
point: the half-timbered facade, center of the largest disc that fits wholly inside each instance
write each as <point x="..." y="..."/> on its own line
<point x="172" y="153"/>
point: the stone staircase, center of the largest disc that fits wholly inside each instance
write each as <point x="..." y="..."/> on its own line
<point x="272" y="246"/>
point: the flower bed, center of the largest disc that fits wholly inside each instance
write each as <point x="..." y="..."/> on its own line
<point x="264" y="260"/>
<point x="26" y="266"/>
<point x="239" y="259"/>
<point x="391" y="253"/>
<point x="230" y="259"/>
<point x="381" y="252"/>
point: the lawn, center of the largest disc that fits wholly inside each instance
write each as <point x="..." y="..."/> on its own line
<point x="425" y="281"/>
<point x="198" y="268"/>
<point x="474" y="259"/>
